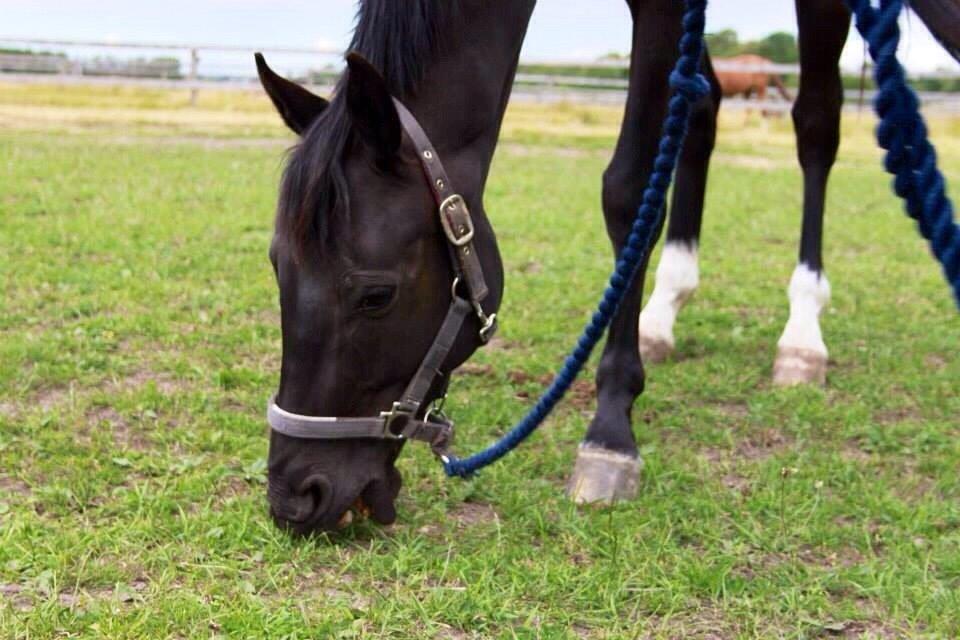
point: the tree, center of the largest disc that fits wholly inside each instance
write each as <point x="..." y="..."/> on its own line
<point x="723" y="44"/>
<point x="780" y="47"/>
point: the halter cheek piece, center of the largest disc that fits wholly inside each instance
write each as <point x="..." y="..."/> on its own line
<point x="403" y="421"/>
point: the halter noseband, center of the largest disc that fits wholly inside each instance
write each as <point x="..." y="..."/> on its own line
<point x="402" y="421"/>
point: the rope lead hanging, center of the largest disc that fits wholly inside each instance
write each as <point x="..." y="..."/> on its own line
<point x="902" y="132"/>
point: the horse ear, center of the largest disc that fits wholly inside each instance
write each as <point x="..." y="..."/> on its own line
<point x="371" y="107"/>
<point x="297" y="106"/>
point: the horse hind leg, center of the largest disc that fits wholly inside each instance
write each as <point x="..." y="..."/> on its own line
<point x="823" y="25"/>
<point x="678" y="273"/>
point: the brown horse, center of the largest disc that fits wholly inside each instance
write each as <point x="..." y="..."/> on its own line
<point x="747" y="82"/>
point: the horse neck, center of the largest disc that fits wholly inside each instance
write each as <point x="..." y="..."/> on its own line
<point x="463" y="94"/>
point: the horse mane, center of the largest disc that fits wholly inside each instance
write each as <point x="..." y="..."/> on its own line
<point x="399" y="38"/>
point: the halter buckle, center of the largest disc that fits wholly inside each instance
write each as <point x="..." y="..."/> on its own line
<point x="488" y="324"/>
<point x="442" y="443"/>
<point x="459" y="232"/>
<point x="394" y="420"/>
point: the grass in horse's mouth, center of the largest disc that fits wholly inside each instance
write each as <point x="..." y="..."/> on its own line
<point x="358" y="509"/>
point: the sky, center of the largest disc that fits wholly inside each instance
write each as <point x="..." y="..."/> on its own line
<point x="559" y="29"/>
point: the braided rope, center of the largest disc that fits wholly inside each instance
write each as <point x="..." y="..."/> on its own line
<point x="688" y="86"/>
<point x="903" y="133"/>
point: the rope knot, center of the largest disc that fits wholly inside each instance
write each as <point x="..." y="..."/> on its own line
<point x="692" y="88"/>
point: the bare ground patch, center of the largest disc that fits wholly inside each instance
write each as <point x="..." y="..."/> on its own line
<point x="897" y="415"/>
<point x="757" y="447"/>
<point x="122" y="433"/>
<point x="14" y="486"/>
<point x="582" y="394"/>
<point x="469" y="514"/>
<point x="763" y="445"/>
<point x="704" y="622"/>
<point x="8" y="410"/>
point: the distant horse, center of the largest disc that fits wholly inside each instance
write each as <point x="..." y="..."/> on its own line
<point x="750" y="80"/>
<point x="388" y="267"/>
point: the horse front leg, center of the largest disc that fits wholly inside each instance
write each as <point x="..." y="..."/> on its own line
<point x="823" y="26"/>
<point x="608" y="463"/>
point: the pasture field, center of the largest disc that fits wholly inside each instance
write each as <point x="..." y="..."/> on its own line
<point x="139" y="341"/>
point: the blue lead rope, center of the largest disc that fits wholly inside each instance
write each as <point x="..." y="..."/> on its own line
<point x="902" y="132"/>
<point x="688" y="86"/>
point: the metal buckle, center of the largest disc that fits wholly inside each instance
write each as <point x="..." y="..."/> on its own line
<point x="488" y="324"/>
<point x="464" y="233"/>
<point x="441" y="445"/>
<point x="397" y="412"/>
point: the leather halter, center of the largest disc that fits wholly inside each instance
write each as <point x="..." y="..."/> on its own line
<point x="408" y="419"/>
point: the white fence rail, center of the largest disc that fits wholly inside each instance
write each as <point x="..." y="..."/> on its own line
<point x="199" y="66"/>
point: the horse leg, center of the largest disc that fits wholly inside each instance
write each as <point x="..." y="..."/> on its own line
<point x="678" y="273"/>
<point x="823" y="25"/>
<point x="608" y="464"/>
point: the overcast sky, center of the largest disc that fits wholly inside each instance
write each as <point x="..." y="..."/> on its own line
<point x="559" y="29"/>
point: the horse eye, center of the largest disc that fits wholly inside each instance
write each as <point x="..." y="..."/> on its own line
<point x="376" y="297"/>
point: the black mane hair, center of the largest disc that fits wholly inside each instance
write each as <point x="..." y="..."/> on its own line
<point x="399" y="38"/>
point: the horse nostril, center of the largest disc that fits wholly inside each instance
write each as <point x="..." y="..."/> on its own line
<point x="318" y="493"/>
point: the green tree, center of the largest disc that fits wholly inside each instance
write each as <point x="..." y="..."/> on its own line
<point x="723" y="44"/>
<point x="780" y="47"/>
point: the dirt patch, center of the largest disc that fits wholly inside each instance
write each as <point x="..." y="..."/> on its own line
<point x="500" y="344"/>
<point x="122" y="433"/>
<point x="14" y="486"/>
<point x="468" y="514"/>
<point x="874" y="628"/>
<point x="734" y="410"/>
<point x="897" y="415"/>
<point x="13" y="593"/>
<point x="8" y="410"/>
<point x="582" y="394"/>
<point x="705" y="622"/>
<point x="452" y="633"/>
<point x="165" y="383"/>
<point x="740" y="484"/>
<point x="762" y="445"/>
<point x="48" y="399"/>
<point x="472" y="369"/>
<point x="852" y="452"/>
<point x="935" y="362"/>
<point x="762" y="562"/>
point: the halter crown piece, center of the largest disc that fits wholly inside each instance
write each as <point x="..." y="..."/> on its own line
<point x="408" y="418"/>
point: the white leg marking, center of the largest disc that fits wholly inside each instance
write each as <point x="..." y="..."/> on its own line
<point x="801" y="352"/>
<point x="678" y="276"/>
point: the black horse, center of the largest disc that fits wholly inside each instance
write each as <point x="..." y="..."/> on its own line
<point x="365" y="267"/>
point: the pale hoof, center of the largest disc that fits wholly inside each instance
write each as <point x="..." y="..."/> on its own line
<point x="799" y="366"/>
<point x="601" y="476"/>
<point x="654" y="350"/>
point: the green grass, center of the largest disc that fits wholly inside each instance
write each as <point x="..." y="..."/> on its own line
<point x="139" y="339"/>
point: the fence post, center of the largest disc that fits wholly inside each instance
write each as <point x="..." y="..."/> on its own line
<point x="194" y="67"/>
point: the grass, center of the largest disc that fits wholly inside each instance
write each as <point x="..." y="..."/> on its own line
<point x="139" y="339"/>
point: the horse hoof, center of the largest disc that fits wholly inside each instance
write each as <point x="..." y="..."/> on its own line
<point x="654" y="350"/>
<point x="795" y="366"/>
<point x="601" y="476"/>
